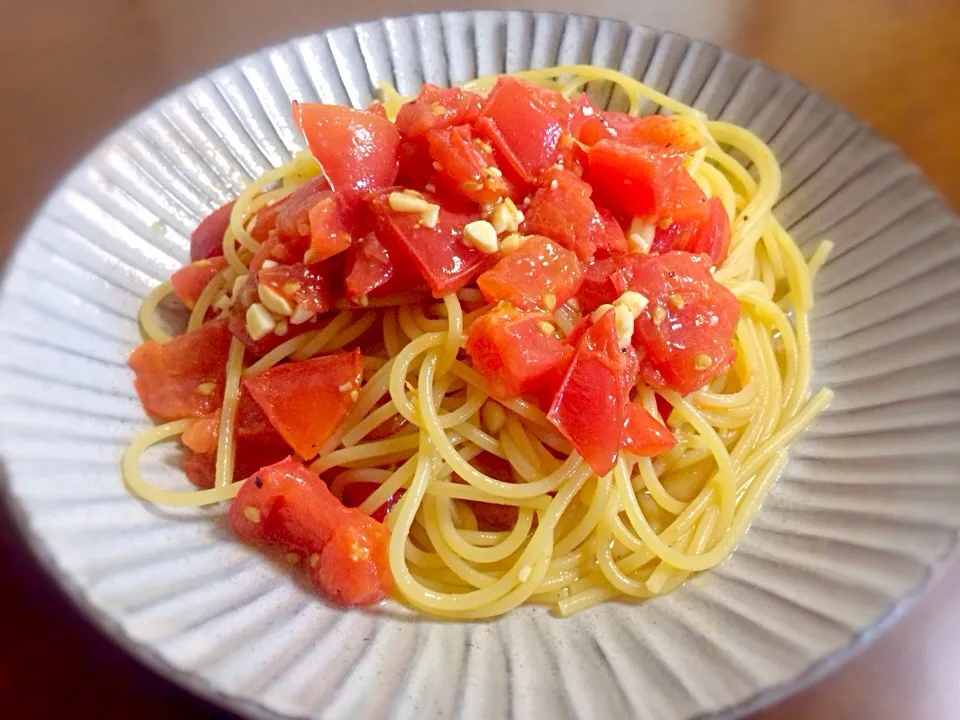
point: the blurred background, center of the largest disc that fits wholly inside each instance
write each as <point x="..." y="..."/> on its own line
<point x="73" y="70"/>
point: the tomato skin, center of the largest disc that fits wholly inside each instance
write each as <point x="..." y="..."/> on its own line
<point x="465" y="166"/>
<point x="344" y="551"/>
<point x="597" y="287"/>
<point x="168" y="376"/>
<point x="562" y="210"/>
<point x="525" y="122"/>
<point x="701" y="326"/>
<point x="642" y="434"/>
<point x="190" y="280"/>
<point x="710" y="235"/>
<point x="511" y="351"/>
<point x="439" y="253"/>
<point x="588" y="407"/>
<point x="290" y="394"/>
<point x="539" y="267"/>
<point x="201" y="436"/>
<point x="357" y="149"/>
<point x="436" y="108"/>
<point x="206" y="241"/>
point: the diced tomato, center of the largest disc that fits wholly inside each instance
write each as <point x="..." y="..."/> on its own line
<point x="190" y="280"/>
<point x="628" y="179"/>
<point x="493" y="516"/>
<point x="415" y="164"/>
<point x="563" y="211"/>
<point x="588" y="407"/>
<point x="525" y="122"/>
<point x="597" y="287"/>
<point x="525" y="277"/>
<point x="357" y="149"/>
<point x="368" y="267"/>
<point x="306" y="400"/>
<point x="583" y="115"/>
<point x="711" y="235"/>
<point x="287" y="507"/>
<point x="201" y="436"/>
<point x="685" y="333"/>
<point x="436" y="108"/>
<point x="376" y="107"/>
<point x="438" y="253"/>
<point x="250" y="456"/>
<point x="608" y="235"/>
<point x="667" y="135"/>
<point x="289" y="216"/>
<point x="663" y="407"/>
<point x="331" y="227"/>
<point x="183" y="377"/>
<point x="314" y="287"/>
<point x="356" y="493"/>
<point x="464" y="165"/>
<point x="512" y="351"/>
<point x="206" y="241"/>
<point x="642" y="434"/>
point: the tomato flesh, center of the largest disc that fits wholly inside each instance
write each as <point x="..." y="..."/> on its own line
<point x="668" y="135"/>
<point x="292" y="393"/>
<point x="206" y="241"/>
<point x="287" y="507"/>
<point x="356" y="149"/>
<point x="512" y="351"/>
<point x="190" y="280"/>
<point x="331" y="222"/>
<point x="525" y="122"/>
<point x="183" y="377"/>
<point x="438" y="253"/>
<point x="588" y="407"/>
<point x="436" y="108"/>
<point x="526" y="277"/>
<point x="494" y="517"/>
<point x="685" y="334"/>
<point x="563" y="211"/>
<point x="710" y="235"/>
<point x="356" y="493"/>
<point x="468" y="169"/>
<point x="642" y="434"/>
<point x="314" y="287"/>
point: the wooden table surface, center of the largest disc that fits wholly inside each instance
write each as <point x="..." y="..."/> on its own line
<point x="73" y="70"/>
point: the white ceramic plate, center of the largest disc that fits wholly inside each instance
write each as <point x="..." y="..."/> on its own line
<point x="865" y="513"/>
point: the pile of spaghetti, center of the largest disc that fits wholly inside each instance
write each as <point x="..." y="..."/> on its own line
<point x="490" y="345"/>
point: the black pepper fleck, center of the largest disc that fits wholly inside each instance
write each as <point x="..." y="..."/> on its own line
<point x="672" y="274"/>
<point x="257" y="481"/>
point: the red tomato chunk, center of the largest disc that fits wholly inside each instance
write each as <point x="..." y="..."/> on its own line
<point x="285" y="507"/>
<point x="642" y="434"/>
<point x="513" y="350"/>
<point x="206" y="241"/>
<point x="357" y="149"/>
<point x="588" y="407"/>
<point x="685" y="334"/>
<point x="184" y="377"/>
<point x="437" y="108"/>
<point x="190" y="280"/>
<point x="540" y="274"/>
<point x="306" y="400"/>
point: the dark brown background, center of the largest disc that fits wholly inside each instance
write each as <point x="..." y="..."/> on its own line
<point x="72" y="70"/>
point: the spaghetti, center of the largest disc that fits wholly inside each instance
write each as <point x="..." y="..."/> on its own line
<point x="576" y="537"/>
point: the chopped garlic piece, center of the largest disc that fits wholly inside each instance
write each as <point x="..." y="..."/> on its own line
<point x="600" y="312"/>
<point x="223" y="302"/>
<point x="546" y="328"/>
<point x="251" y="513"/>
<point x="260" y="322"/>
<point x="702" y="361"/>
<point x="512" y="242"/>
<point x="274" y="301"/>
<point x="267" y="264"/>
<point x="548" y="301"/>
<point x="481" y="235"/>
<point x="431" y="216"/>
<point x="640" y="235"/>
<point x="633" y="301"/>
<point x="493" y="417"/>
<point x="407" y="203"/>
<point x="238" y="286"/>
<point x="206" y="388"/>
<point x="301" y="315"/>
<point x="505" y="217"/>
<point x="623" y="319"/>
